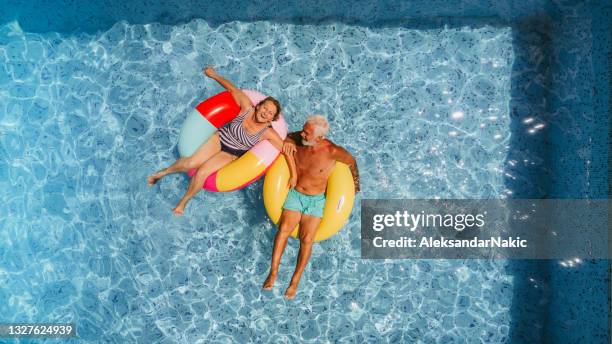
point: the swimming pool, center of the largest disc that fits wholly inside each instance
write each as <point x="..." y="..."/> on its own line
<point x="474" y="101"/>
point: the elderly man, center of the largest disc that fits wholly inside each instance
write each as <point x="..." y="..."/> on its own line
<point x="311" y="158"/>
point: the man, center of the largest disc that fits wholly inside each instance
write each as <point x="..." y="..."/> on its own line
<point x="311" y="158"/>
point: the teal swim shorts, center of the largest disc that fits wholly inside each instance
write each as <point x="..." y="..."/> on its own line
<point x="306" y="204"/>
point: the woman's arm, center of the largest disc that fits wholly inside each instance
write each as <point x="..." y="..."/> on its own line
<point x="289" y="145"/>
<point x="272" y="136"/>
<point x="243" y="101"/>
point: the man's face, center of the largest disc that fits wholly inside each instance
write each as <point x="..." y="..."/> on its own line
<point x="308" y="135"/>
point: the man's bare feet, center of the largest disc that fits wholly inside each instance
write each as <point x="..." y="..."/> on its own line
<point x="269" y="283"/>
<point x="290" y="292"/>
<point x="179" y="210"/>
<point x="152" y="179"/>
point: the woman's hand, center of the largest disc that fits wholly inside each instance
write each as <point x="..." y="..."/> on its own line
<point x="209" y="71"/>
<point x="289" y="147"/>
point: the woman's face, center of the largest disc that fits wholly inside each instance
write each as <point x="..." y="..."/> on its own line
<point x="265" y="112"/>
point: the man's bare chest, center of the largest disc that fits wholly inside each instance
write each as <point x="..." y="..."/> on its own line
<point x="314" y="162"/>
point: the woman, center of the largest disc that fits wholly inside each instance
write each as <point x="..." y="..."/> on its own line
<point x="251" y="126"/>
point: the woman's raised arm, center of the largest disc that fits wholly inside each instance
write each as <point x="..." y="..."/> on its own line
<point x="243" y="101"/>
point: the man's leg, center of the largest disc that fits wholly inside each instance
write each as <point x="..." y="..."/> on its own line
<point x="308" y="229"/>
<point x="289" y="219"/>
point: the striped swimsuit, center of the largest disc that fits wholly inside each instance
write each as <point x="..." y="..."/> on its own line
<point x="235" y="139"/>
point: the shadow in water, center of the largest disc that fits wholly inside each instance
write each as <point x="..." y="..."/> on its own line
<point x="527" y="167"/>
<point x="68" y="16"/>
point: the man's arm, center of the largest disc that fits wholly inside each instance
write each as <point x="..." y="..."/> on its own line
<point x="292" y="169"/>
<point x="294" y="137"/>
<point x="342" y="155"/>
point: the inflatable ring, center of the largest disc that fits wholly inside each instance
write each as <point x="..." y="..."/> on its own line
<point x="339" y="197"/>
<point x="206" y="119"/>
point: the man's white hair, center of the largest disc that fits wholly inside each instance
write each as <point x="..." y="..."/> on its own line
<point x="321" y="126"/>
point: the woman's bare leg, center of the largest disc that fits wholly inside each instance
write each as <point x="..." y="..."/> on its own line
<point x="203" y="153"/>
<point x="195" y="184"/>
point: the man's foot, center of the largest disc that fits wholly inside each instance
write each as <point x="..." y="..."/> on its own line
<point x="269" y="283"/>
<point x="152" y="179"/>
<point x="290" y="292"/>
<point x="179" y="210"/>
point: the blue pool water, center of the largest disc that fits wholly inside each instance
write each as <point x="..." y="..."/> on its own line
<point x="428" y="112"/>
<point x="88" y="116"/>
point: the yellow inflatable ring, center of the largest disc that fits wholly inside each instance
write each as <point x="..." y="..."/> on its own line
<point x="339" y="197"/>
